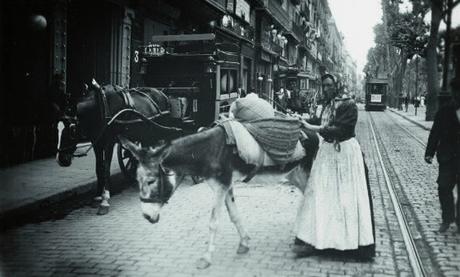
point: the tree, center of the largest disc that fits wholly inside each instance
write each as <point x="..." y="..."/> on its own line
<point x="407" y="33"/>
<point x="376" y="56"/>
<point x="440" y="9"/>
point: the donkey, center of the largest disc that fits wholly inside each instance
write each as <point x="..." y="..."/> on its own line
<point x="204" y="154"/>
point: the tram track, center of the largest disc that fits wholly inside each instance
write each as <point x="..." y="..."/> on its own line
<point x="415" y="260"/>
<point x="421" y="143"/>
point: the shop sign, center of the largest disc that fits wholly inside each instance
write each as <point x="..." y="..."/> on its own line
<point x="154" y="50"/>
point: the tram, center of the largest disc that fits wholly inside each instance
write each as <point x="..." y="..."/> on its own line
<point x="376" y="94"/>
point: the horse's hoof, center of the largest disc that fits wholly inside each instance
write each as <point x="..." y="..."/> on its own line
<point x="202" y="263"/>
<point x="96" y="202"/>
<point x="242" y="249"/>
<point x="103" y="210"/>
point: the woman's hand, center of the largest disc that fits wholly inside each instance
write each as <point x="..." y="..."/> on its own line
<point x="306" y="125"/>
<point x="309" y="126"/>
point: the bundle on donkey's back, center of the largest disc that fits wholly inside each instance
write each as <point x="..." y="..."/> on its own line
<point x="253" y="139"/>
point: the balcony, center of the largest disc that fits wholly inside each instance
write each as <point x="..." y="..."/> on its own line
<point x="234" y="26"/>
<point x="218" y="4"/>
<point x="271" y="44"/>
<point x="274" y="10"/>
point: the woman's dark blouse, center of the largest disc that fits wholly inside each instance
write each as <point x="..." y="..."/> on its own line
<point x="342" y="126"/>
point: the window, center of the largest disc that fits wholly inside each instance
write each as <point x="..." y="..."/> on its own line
<point x="228" y="81"/>
<point x="303" y="84"/>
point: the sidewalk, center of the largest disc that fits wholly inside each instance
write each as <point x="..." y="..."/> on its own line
<point x="26" y="188"/>
<point x="418" y="119"/>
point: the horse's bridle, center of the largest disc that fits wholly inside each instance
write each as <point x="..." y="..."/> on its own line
<point x="161" y="197"/>
<point x="72" y="124"/>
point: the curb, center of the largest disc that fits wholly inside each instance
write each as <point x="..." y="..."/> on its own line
<point x="32" y="212"/>
<point x="411" y="120"/>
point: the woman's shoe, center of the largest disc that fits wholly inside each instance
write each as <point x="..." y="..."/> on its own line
<point x="303" y="250"/>
<point x="298" y="241"/>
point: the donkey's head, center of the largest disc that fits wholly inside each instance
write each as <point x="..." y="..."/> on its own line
<point x="156" y="183"/>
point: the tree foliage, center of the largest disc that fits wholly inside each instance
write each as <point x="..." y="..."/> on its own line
<point x="407" y="30"/>
<point x="376" y="56"/>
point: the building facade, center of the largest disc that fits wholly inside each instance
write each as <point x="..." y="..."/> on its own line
<point x="51" y="48"/>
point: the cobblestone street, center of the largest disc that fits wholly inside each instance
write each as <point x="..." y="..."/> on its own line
<point x="123" y="243"/>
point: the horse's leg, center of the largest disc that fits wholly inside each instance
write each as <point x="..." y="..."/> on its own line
<point x="236" y="219"/>
<point x="99" y="154"/>
<point x="219" y="191"/>
<point x="107" y="160"/>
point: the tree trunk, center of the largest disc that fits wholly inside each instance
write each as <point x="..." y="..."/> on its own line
<point x="432" y="62"/>
<point x="389" y="69"/>
<point x="398" y="85"/>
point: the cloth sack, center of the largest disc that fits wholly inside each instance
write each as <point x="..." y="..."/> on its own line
<point x="251" y="108"/>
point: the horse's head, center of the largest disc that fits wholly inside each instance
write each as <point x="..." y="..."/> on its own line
<point x="67" y="140"/>
<point x="156" y="183"/>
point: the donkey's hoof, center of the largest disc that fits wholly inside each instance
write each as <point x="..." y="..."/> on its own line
<point x="103" y="210"/>
<point x="202" y="263"/>
<point x="242" y="249"/>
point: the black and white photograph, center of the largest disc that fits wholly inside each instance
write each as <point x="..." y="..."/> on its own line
<point x="245" y="138"/>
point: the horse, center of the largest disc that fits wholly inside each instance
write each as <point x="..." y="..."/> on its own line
<point x="95" y="120"/>
<point x="204" y="154"/>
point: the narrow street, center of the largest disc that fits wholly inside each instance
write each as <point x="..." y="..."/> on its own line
<point x="123" y="243"/>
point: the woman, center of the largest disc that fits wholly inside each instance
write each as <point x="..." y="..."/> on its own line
<point x="337" y="210"/>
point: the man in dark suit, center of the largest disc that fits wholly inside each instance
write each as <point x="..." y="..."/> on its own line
<point x="444" y="140"/>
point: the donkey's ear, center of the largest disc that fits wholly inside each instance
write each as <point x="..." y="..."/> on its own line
<point x="161" y="151"/>
<point x="132" y="147"/>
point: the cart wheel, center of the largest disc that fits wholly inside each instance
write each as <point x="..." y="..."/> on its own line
<point x="127" y="162"/>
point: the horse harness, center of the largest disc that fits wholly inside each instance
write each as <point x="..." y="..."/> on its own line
<point x="127" y="99"/>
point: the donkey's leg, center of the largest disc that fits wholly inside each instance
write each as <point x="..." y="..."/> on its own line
<point x="236" y="219"/>
<point x="220" y="191"/>
<point x="107" y="158"/>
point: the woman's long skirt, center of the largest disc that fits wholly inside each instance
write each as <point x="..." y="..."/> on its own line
<point x="336" y="211"/>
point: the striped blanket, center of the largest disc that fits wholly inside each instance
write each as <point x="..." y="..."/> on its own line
<point x="278" y="137"/>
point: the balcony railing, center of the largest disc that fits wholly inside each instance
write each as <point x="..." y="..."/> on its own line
<point x="234" y="26"/>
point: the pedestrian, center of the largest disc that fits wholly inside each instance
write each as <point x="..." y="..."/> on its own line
<point x="336" y="212"/>
<point x="406" y="103"/>
<point x="444" y="141"/>
<point x="281" y="101"/>
<point x="416" y="104"/>
<point x="400" y="102"/>
<point x="241" y="92"/>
